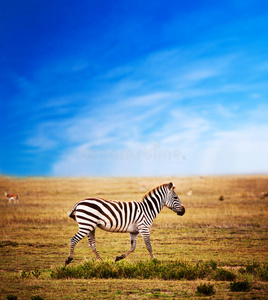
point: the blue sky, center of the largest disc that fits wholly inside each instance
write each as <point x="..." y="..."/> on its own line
<point x="133" y="88"/>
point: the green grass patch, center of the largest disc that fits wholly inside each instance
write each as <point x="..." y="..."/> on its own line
<point x="263" y="272"/>
<point x="205" y="289"/>
<point x="224" y="275"/>
<point x="37" y="298"/>
<point x="256" y="269"/>
<point x="154" y="269"/>
<point x="240" y="286"/>
<point x="165" y="270"/>
<point x="12" y="297"/>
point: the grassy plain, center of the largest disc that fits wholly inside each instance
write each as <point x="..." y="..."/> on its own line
<point x="34" y="236"/>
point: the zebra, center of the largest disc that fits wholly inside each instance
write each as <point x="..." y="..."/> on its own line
<point x="115" y="216"/>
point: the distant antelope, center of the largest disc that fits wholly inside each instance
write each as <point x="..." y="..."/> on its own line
<point x="189" y="193"/>
<point x="143" y="187"/>
<point x="11" y="197"/>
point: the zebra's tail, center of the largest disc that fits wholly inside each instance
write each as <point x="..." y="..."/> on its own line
<point x="71" y="213"/>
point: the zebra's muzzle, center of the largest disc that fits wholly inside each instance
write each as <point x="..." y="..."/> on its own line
<point x="181" y="212"/>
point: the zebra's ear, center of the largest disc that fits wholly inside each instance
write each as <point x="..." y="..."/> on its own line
<point x="170" y="186"/>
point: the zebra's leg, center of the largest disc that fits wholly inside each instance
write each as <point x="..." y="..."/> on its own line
<point x="74" y="240"/>
<point x="146" y="237"/>
<point x="91" y="242"/>
<point x="133" y="241"/>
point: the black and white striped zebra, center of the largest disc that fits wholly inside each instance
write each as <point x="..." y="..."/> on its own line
<point x="115" y="216"/>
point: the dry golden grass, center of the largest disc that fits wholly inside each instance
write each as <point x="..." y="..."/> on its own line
<point x="35" y="234"/>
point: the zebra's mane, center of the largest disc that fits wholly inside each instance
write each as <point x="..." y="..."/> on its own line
<point x="149" y="193"/>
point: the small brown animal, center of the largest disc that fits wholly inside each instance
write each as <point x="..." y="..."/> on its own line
<point x="189" y="193"/>
<point x="12" y="197"/>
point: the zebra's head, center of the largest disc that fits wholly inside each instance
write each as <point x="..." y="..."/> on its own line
<point x="172" y="200"/>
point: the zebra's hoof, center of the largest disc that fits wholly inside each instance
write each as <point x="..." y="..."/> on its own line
<point x="67" y="261"/>
<point x="119" y="257"/>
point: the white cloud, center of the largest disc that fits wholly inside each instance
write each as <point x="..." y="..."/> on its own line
<point x="185" y="143"/>
<point x="243" y="150"/>
<point x="200" y="74"/>
<point x="158" y="101"/>
<point x="224" y="111"/>
<point x="43" y="137"/>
